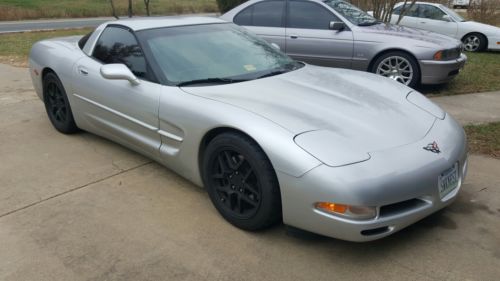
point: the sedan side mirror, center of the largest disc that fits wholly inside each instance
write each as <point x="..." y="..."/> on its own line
<point x="446" y="18"/>
<point x="337" y="25"/>
<point x="118" y="71"/>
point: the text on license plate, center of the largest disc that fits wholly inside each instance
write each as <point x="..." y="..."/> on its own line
<point x="448" y="180"/>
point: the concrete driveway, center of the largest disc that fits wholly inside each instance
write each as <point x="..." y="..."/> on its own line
<point x="82" y="208"/>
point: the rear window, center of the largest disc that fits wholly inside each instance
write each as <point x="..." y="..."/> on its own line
<point x="84" y="39"/>
<point x="267" y="13"/>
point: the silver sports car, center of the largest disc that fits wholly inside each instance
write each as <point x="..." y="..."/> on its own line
<point x="336" y="33"/>
<point x="342" y="153"/>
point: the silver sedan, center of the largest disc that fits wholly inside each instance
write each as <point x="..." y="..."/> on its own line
<point x="342" y="153"/>
<point x="336" y="33"/>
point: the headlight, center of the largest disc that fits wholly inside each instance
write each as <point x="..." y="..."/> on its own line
<point x="449" y="54"/>
<point x="347" y="211"/>
<point x="425" y="104"/>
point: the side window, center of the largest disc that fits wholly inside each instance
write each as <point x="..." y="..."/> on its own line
<point x="431" y="12"/>
<point x="118" y="45"/>
<point x="309" y="15"/>
<point x="413" y="12"/>
<point x="267" y="13"/>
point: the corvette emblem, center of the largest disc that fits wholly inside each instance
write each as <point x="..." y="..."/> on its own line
<point x="432" y="147"/>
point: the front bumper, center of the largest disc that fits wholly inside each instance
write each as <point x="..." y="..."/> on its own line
<point x="438" y="72"/>
<point x="404" y="174"/>
<point x="494" y="43"/>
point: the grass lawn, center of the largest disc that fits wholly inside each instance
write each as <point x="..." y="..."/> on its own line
<point x="15" y="47"/>
<point x="34" y="9"/>
<point x="484" y="139"/>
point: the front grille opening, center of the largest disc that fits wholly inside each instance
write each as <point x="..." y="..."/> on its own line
<point x="375" y="231"/>
<point x="401" y="207"/>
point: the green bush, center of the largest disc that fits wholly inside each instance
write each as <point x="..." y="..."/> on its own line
<point x="226" y="5"/>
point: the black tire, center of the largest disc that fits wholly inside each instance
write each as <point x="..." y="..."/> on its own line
<point x="471" y="45"/>
<point x="415" y="78"/>
<point x="57" y="105"/>
<point x="241" y="182"/>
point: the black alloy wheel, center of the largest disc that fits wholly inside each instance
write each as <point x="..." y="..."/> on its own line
<point x="57" y="105"/>
<point x="241" y="182"/>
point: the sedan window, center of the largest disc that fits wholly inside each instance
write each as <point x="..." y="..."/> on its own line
<point x="267" y="13"/>
<point x="352" y="13"/>
<point x="118" y="45"/>
<point x="431" y="12"/>
<point x="309" y="15"/>
<point x="413" y="12"/>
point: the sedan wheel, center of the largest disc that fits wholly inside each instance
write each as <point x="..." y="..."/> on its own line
<point x="57" y="105"/>
<point x="474" y="42"/>
<point x="241" y="182"/>
<point x="398" y="66"/>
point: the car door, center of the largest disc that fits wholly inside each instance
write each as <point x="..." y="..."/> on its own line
<point x="116" y="109"/>
<point x="410" y="19"/>
<point x="434" y="19"/>
<point x="309" y="37"/>
<point x="266" y="19"/>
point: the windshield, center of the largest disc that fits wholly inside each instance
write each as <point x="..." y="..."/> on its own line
<point x="352" y="13"/>
<point x="213" y="53"/>
<point x="451" y="13"/>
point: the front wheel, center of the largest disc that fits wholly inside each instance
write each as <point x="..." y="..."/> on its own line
<point x="241" y="182"/>
<point x="474" y="42"/>
<point x="57" y="105"/>
<point x="398" y="66"/>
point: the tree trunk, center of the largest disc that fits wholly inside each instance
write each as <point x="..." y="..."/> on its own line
<point x="130" y="12"/>
<point x="405" y="10"/>
<point x="146" y="3"/>
<point x="113" y="10"/>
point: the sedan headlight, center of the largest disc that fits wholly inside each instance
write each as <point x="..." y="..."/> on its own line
<point x="449" y="54"/>
<point x="425" y="104"/>
<point x="347" y="211"/>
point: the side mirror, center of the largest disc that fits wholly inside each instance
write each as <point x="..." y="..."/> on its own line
<point x="276" y="46"/>
<point x="446" y="18"/>
<point x="118" y="71"/>
<point x="337" y="25"/>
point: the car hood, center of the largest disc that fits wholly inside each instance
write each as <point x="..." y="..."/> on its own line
<point x="370" y="111"/>
<point x="374" y="32"/>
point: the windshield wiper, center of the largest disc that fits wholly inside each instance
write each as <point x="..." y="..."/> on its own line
<point x="210" y="80"/>
<point x="287" y="68"/>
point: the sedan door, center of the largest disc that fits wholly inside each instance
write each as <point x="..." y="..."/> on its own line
<point x="117" y="109"/>
<point x="266" y="19"/>
<point x="434" y="19"/>
<point x="309" y="37"/>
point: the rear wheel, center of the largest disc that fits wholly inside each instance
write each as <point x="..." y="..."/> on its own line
<point x="57" y="105"/>
<point x="398" y="66"/>
<point x="474" y="42"/>
<point x="241" y="182"/>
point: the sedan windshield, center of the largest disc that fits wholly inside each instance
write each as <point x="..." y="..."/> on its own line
<point x="352" y="13"/>
<point x="213" y="54"/>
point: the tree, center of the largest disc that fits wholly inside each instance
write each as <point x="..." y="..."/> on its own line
<point x="113" y="10"/>
<point x="146" y="4"/>
<point x="130" y="11"/>
<point x="382" y="9"/>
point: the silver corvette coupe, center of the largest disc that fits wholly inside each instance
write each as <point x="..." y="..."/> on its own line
<point x="336" y="33"/>
<point x="342" y="153"/>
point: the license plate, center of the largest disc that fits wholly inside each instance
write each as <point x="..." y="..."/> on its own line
<point x="448" y="180"/>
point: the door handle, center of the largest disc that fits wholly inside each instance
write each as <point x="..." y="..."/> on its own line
<point x="294" y="36"/>
<point x="423" y="22"/>
<point x="83" y="70"/>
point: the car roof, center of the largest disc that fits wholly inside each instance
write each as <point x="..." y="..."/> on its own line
<point x="141" y="23"/>
<point x="419" y="2"/>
